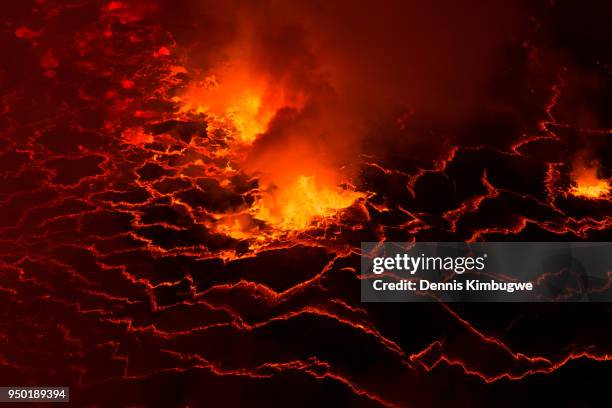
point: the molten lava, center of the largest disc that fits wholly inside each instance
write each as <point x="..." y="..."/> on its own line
<point x="237" y="102"/>
<point x="588" y="184"/>
<point x="240" y="105"/>
<point x="296" y="206"/>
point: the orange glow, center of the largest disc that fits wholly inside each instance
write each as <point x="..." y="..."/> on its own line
<point x="241" y="105"/>
<point x="237" y="101"/>
<point x="588" y="184"/>
<point x="298" y="184"/>
<point x="239" y="226"/>
<point x="136" y="136"/>
<point x="296" y="206"/>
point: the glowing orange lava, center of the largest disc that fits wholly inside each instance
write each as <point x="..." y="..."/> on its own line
<point x="237" y="102"/>
<point x="240" y="104"/>
<point x="588" y="184"/>
<point x="296" y="206"/>
<point x="136" y="136"/>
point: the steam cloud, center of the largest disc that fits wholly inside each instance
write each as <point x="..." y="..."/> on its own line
<point x="353" y="66"/>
